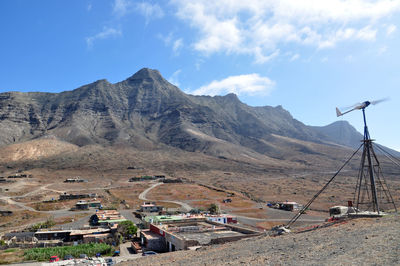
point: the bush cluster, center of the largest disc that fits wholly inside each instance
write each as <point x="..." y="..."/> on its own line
<point x="44" y="254"/>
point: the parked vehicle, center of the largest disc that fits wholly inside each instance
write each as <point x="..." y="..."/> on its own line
<point x="54" y="259"/>
<point x="110" y="261"/>
<point x="116" y="253"/>
<point x="149" y="253"/>
<point x="68" y="257"/>
<point x="83" y="256"/>
<point x="341" y="211"/>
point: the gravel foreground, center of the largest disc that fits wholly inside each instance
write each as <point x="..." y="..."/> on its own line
<point x="367" y="241"/>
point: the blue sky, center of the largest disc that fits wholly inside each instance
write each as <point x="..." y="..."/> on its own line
<point x="307" y="55"/>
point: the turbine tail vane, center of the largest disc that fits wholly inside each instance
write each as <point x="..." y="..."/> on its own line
<point x="359" y="106"/>
<point x="338" y="113"/>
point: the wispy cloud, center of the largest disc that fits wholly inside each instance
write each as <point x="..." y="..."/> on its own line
<point x="150" y="11"/>
<point x="349" y="58"/>
<point x="174" y="78"/>
<point x="390" y="29"/>
<point x="251" y="84"/>
<point x="122" y="7"/>
<point x="294" y="57"/>
<point x="169" y="40"/>
<point x="261" y="27"/>
<point x="177" y="45"/>
<point x="382" y="50"/>
<point x="104" y="34"/>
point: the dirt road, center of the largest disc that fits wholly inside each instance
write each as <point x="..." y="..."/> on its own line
<point x="184" y="206"/>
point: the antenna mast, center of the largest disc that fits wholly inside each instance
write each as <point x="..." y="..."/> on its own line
<point x="371" y="189"/>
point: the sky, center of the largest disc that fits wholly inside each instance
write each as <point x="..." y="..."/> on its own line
<point x="309" y="56"/>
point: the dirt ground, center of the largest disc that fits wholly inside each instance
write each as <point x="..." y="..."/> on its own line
<point x="373" y="241"/>
<point x="107" y="172"/>
<point x="12" y="255"/>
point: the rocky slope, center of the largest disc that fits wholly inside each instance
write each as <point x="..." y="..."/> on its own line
<point x="146" y="112"/>
<point x="356" y="242"/>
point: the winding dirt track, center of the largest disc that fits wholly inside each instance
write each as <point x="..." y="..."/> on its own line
<point x="142" y="196"/>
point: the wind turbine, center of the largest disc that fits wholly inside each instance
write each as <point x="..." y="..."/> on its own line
<point x="359" y="106"/>
<point x="370" y="185"/>
<point x="370" y="171"/>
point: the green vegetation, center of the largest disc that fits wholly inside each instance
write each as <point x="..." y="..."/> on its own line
<point x="213" y="209"/>
<point x="197" y="210"/>
<point x="43" y="254"/>
<point x="127" y="229"/>
<point x="49" y="223"/>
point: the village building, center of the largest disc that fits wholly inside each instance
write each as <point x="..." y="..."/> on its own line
<point x="290" y="206"/>
<point x="56" y="237"/>
<point x="150" y="207"/>
<point x="157" y="219"/>
<point x="106" y="218"/>
<point x="223" y="219"/>
<point x="85" y="205"/>
<point x="80" y="236"/>
<point x="75" y="180"/>
<point x="66" y="196"/>
<point x="160" y="219"/>
<point x="5" y="212"/>
<point x="15" y="237"/>
<point x="185" y="234"/>
<point x="3" y="180"/>
<point x="20" y="176"/>
<point x="146" y="178"/>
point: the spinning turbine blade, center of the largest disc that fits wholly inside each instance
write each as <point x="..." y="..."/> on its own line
<point x="358" y="106"/>
<point x="379" y="101"/>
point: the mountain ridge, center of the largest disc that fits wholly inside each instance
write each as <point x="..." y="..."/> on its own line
<point x="147" y="112"/>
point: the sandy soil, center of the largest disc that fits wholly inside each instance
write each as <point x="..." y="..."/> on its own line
<point x="356" y="242"/>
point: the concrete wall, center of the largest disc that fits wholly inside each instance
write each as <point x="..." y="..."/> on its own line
<point x="170" y="239"/>
<point x="179" y="243"/>
<point x="236" y="228"/>
<point x="156" y="244"/>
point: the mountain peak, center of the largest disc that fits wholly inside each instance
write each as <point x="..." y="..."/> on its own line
<point x="232" y="96"/>
<point x="146" y="73"/>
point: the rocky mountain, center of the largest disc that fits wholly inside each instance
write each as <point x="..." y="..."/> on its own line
<point x="147" y="112"/>
<point x="341" y="132"/>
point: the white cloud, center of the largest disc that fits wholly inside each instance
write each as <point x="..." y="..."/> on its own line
<point x="150" y="11"/>
<point x="382" y="50"/>
<point x="390" y="29"/>
<point x="146" y="9"/>
<point x="366" y="34"/>
<point x="169" y="40"/>
<point x="122" y="7"/>
<point x="349" y="58"/>
<point x="294" y="57"/>
<point x="174" y="78"/>
<point x="104" y="34"/>
<point x="251" y="84"/>
<point x="260" y="27"/>
<point x="199" y="63"/>
<point x="260" y="58"/>
<point x="177" y="45"/>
